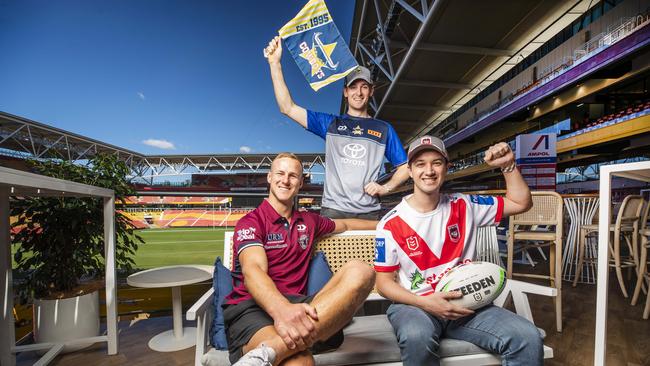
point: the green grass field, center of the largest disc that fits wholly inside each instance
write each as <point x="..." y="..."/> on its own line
<point x="165" y="247"/>
<point x="162" y="247"/>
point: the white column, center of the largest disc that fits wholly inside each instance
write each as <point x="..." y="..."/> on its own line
<point x="7" y="331"/>
<point x="600" y="347"/>
<point x="177" y="312"/>
<point x="111" y="289"/>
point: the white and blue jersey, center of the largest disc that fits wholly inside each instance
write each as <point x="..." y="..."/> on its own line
<point x="354" y="152"/>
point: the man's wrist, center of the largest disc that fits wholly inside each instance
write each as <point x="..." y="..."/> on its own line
<point x="510" y="168"/>
<point x="387" y="188"/>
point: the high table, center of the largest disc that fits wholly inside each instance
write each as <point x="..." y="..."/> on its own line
<point x="637" y="171"/>
<point x="172" y="276"/>
<point x="581" y="209"/>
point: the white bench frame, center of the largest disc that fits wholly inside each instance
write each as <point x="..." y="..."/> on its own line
<point x="202" y="311"/>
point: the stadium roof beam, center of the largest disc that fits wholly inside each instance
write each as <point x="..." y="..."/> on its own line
<point x="437" y="5"/>
<point x="449" y="48"/>
<point x="423" y="107"/>
<point x="437" y="84"/>
<point x="26" y="139"/>
<point x="435" y="63"/>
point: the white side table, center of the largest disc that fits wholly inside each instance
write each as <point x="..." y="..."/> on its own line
<point x="172" y="276"/>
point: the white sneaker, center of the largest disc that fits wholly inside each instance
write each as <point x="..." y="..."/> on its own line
<point x="260" y="356"/>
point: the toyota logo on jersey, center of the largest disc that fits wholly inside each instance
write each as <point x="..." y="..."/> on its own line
<point x="354" y="151"/>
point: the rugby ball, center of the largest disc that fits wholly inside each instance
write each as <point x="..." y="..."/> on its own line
<point x="480" y="283"/>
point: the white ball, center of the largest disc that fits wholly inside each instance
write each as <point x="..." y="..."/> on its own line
<point x="480" y="283"/>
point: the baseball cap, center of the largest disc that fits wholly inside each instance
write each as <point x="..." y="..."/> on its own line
<point x="426" y="142"/>
<point x="359" y="73"/>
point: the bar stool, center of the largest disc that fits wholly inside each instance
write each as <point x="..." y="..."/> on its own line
<point x="541" y="226"/>
<point x="643" y="262"/>
<point x="627" y="226"/>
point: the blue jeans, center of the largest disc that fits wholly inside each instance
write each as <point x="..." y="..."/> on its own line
<point x="497" y="330"/>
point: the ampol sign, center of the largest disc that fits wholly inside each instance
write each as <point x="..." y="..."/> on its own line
<point x="536" y="157"/>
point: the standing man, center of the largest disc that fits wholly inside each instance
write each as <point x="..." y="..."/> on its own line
<point x="268" y="318"/>
<point x="429" y="233"/>
<point x="355" y="144"/>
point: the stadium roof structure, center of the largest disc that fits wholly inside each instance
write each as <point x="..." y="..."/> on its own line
<point x="431" y="58"/>
<point x="26" y="139"/>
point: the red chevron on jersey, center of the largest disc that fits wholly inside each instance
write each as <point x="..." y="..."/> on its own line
<point x="423" y="246"/>
<point x="411" y="243"/>
<point x="455" y="232"/>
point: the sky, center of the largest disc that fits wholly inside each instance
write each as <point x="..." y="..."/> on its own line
<point x="159" y="76"/>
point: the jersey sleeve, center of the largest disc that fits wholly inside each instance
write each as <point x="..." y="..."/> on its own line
<point x="247" y="233"/>
<point x="487" y="210"/>
<point x="394" y="151"/>
<point x="386" y="259"/>
<point x="324" y="226"/>
<point x="318" y="122"/>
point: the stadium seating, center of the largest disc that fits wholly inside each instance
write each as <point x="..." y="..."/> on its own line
<point x="186" y="218"/>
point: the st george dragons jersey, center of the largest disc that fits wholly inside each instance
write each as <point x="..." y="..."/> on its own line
<point x="424" y="246"/>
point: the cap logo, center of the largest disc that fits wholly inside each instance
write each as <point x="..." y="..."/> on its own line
<point x="425" y="141"/>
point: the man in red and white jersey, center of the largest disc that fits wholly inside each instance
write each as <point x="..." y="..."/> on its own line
<point x="269" y="318"/>
<point x="429" y="233"/>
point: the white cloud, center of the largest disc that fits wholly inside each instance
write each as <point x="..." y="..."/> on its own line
<point x="141" y="95"/>
<point x="161" y="144"/>
<point x="245" y="149"/>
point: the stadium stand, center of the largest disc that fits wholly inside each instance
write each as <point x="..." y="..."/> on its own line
<point x="171" y="200"/>
<point x="185" y="218"/>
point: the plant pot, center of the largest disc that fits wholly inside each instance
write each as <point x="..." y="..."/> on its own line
<point x="61" y="320"/>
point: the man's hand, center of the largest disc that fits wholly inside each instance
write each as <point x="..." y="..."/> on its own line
<point x="295" y="326"/>
<point x="500" y="156"/>
<point x="438" y="304"/>
<point x="376" y="189"/>
<point x="273" y="52"/>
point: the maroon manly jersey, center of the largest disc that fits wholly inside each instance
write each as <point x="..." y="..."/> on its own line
<point x="288" y="248"/>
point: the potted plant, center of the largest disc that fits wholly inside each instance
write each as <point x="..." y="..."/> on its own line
<point x="59" y="248"/>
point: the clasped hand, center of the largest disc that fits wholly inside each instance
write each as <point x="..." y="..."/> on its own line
<point x="295" y="325"/>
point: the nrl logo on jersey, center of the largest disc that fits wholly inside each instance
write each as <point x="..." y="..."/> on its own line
<point x="412" y="242"/>
<point x="454" y="232"/>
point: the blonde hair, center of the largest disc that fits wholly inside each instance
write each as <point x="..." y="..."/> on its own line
<point x="288" y="155"/>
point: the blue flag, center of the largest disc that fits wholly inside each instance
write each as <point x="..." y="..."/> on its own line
<point x="317" y="46"/>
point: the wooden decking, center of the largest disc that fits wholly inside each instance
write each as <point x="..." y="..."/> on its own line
<point x="628" y="334"/>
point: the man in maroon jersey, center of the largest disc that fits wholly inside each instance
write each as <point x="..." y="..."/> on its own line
<point x="268" y="317"/>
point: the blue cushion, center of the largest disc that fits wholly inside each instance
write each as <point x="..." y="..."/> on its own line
<point x="319" y="273"/>
<point x="222" y="284"/>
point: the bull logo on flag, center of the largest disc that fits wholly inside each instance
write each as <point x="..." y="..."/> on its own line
<point x="317" y="46"/>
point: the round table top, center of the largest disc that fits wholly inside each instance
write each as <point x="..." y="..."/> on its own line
<point x="171" y="276"/>
<point x="580" y="195"/>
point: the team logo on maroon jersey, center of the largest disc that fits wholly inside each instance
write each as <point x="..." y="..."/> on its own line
<point x="454" y="233"/>
<point x="412" y="242"/>
<point x="303" y="240"/>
